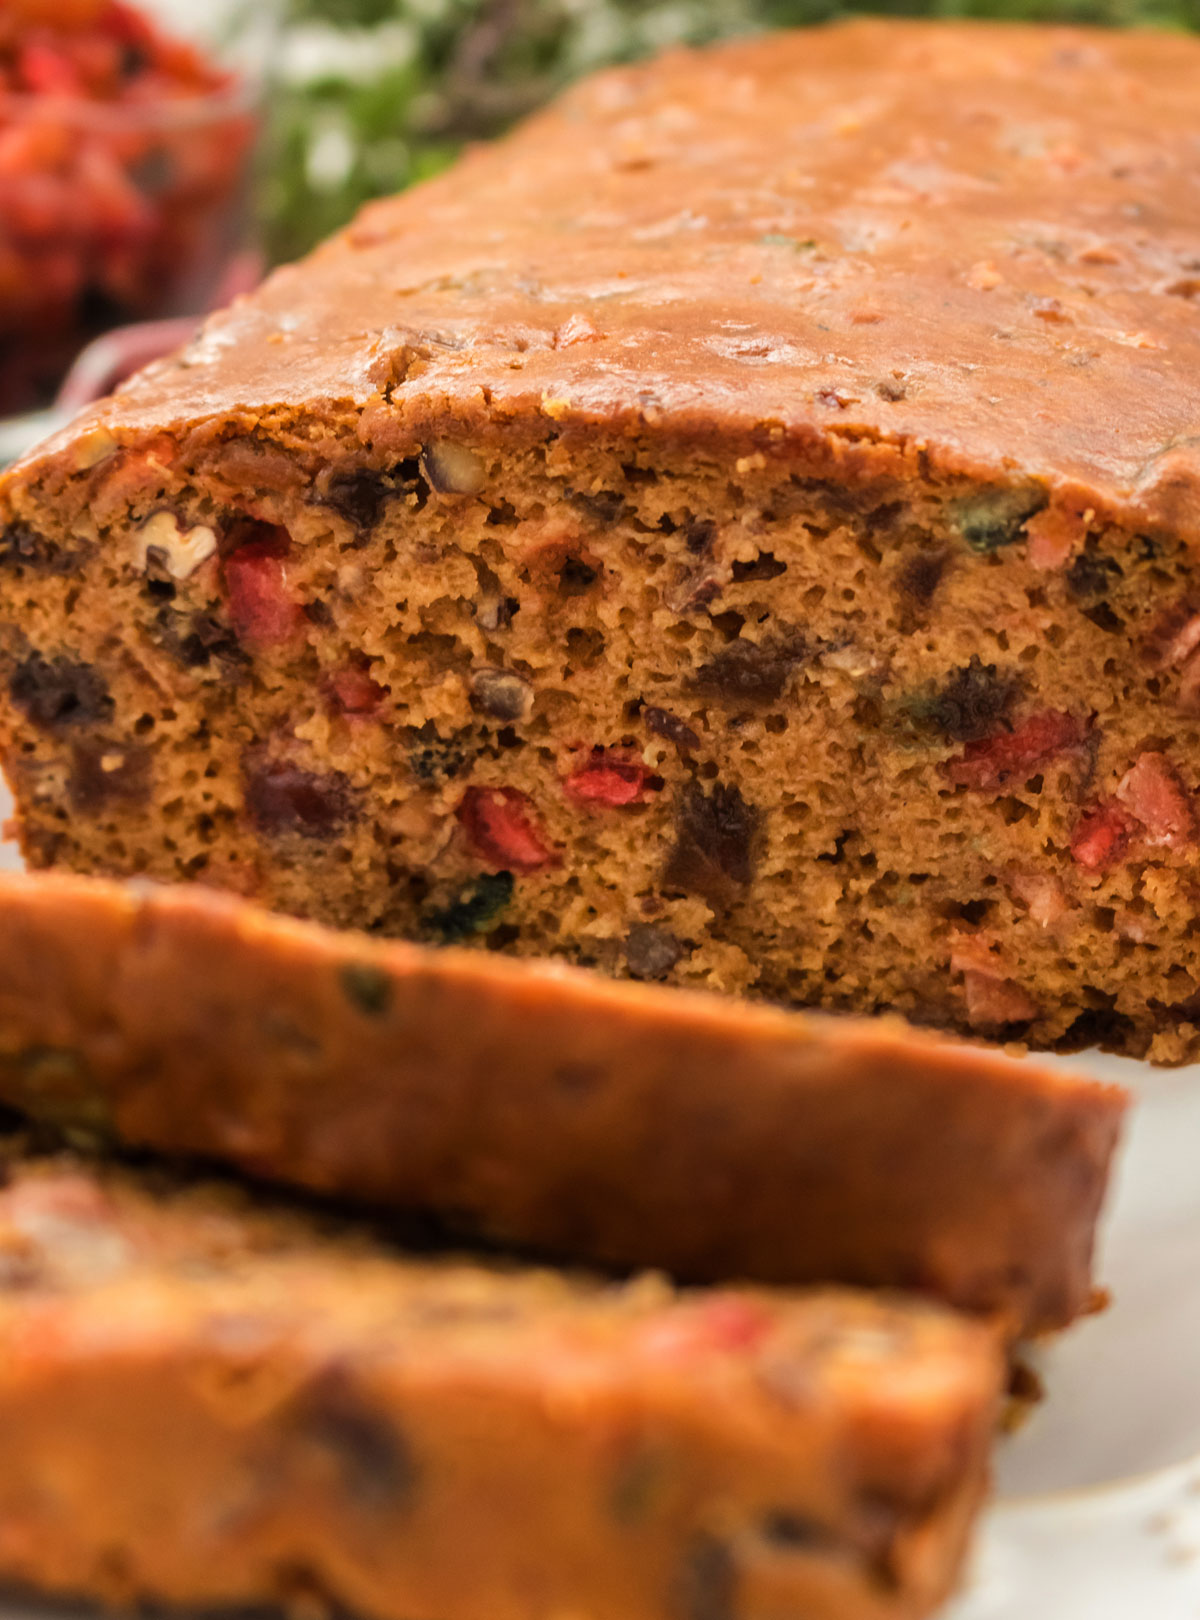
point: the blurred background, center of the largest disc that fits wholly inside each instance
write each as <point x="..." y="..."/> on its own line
<point x="375" y="94"/>
<point x="156" y="156"/>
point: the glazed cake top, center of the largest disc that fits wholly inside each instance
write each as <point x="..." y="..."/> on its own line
<point x="978" y="244"/>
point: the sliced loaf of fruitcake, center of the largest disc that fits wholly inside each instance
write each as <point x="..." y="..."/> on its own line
<point x="740" y="529"/>
<point x="211" y="1403"/>
<point x="546" y="1107"/>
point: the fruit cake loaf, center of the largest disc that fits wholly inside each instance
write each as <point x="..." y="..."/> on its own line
<point x="546" y="1107"/>
<point x="208" y="1403"/>
<point x="740" y="529"/>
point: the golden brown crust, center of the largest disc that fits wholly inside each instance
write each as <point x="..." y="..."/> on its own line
<point x="547" y="1107"/>
<point x="207" y="1403"/>
<point x="994" y="276"/>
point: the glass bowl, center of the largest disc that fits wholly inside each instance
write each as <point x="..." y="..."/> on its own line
<point x="127" y="142"/>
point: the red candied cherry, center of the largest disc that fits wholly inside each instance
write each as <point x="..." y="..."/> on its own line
<point x="1154" y="795"/>
<point x="992" y="761"/>
<point x="724" y="1322"/>
<point x="500" y="830"/>
<point x="255" y="573"/>
<point x="353" y="692"/>
<point x="1101" y="837"/>
<point x="608" y="781"/>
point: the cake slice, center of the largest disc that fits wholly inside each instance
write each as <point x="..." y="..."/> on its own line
<point x="211" y="1403"/>
<point x="546" y="1107"/>
<point x="741" y="529"/>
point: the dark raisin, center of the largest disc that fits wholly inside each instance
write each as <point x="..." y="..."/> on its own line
<point x="359" y="497"/>
<point x="765" y="566"/>
<point x="500" y="694"/>
<point x="471" y="914"/>
<point x="368" y="987"/>
<point x="707" y="1581"/>
<point x="57" y="692"/>
<point x="371" y="1460"/>
<point x="919" y="576"/>
<point x="319" y="612"/>
<point x="1092" y="573"/>
<point x="283" y="798"/>
<point x="434" y="758"/>
<point x="603" y="506"/>
<point x="200" y="638"/>
<point x="575" y="577"/>
<point x="891" y="389"/>
<point x="993" y="518"/>
<point x="107" y="773"/>
<point x="665" y="724"/>
<point x="23" y="547"/>
<point x="650" y="953"/>
<point x="971" y="703"/>
<point x="751" y="672"/>
<point x="699" y="536"/>
<point x="792" y="1531"/>
<point x="715" y="842"/>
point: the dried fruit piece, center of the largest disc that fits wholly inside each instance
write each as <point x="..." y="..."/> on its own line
<point x="917" y="580"/>
<point x="23" y="547"/>
<point x="993" y="1002"/>
<point x="501" y="831"/>
<point x="994" y="518"/>
<point x="283" y="798"/>
<point x="501" y="695"/>
<point x="352" y="691"/>
<point x="358" y="496"/>
<point x="368" y="987"/>
<point x="720" y="1322"/>
<point x="715" y="842"/>
<point x="482" y="904"/>
<point x="991" y="762"/>
<point x="370" y="1460"/>
<point x="263" y="612"/>
<point x="1152" y="792"/>
<point x="1101" y="837"/>
<point x="1054" y="535"/>
<point x="55" y="693"/>
<point x="1092" y="574"/>
<point x="650" y="952"/>
<point x="752" y="672"/>
<point x="665" y="724"/>
<point x="200" y="638"/>
<point x="1042" y="894"/>
<point x="1173" y="636"/>
<point x="970" y="703"/>
<point x="608" y="781"/>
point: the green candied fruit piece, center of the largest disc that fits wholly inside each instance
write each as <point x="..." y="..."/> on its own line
<point x="475" y="910"/>
<point x="55" y="1087"/>
<point x="368" y="987"/>
<point x="995" y="517"/>
<point x="780" y="239"/>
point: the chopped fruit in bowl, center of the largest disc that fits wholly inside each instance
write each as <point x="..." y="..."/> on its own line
<point x="123" y="163"/>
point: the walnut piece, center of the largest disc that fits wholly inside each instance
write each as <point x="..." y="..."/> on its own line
<point x="182" y="552"/>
